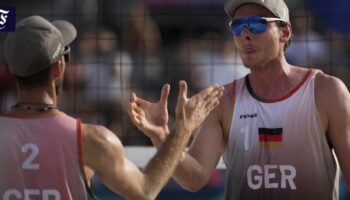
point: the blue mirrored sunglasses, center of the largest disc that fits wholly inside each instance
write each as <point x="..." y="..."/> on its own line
<point x="255" y="24"/>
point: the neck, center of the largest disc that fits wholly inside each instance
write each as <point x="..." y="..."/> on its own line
<point x="34" y="107"/>
<point x="271" y="73"/>
<point x="42" y="95"/>
<point x="273" y="80"/>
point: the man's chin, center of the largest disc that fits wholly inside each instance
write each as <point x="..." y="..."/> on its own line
<point x="247" y="64"/>
<point x="251" y="65"/>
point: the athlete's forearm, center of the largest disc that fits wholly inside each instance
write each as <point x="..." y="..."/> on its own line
<point x="159" y="141"/>
<point x="189" y="173"/>
<point x="163" y="164"/>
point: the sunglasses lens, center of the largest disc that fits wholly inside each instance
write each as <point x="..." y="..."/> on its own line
<point x="237" y="28"/>
<point x="254" y="24"/>
<point x="257" y="27"/>
<point x="66" y="53"/>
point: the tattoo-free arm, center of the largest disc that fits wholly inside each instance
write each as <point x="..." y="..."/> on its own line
<point x="333" y="101"/>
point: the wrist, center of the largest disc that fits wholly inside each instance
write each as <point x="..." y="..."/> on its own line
<point x="160" y="139"/>
<point x="156" y="143"/>
<point x="181" y="124"/>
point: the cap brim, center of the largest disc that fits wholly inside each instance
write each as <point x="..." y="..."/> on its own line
<point x="67" y="30"/>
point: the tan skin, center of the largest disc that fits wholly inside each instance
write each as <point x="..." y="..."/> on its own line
<point x="103" y="151"/>
<point x="271" y="78"/>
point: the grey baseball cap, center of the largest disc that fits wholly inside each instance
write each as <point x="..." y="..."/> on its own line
<point x="36" y="44"/>
<point x="277" y="7"/>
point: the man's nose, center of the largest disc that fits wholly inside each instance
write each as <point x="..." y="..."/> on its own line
<point x="246" y="33"/>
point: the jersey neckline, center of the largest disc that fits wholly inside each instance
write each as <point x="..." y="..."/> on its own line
<point x="295" y="89"/>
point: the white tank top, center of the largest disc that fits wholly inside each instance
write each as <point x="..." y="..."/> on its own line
<point x="39" y="159"/>
<point x="278" y="149"/>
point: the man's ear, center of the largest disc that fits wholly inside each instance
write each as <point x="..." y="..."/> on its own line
<point x="56" y="69"/>
<point x="286" y="33"/>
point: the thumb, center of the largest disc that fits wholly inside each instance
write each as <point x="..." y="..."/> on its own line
<point x="132" y="97"/>
<point x="137" y="100"/>
<point x="164" y="95"/>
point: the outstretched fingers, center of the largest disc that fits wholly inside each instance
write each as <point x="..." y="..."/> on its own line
<point x="135" y="118"/>
<point x="135" y="111"/>
<point x="205" y="92"/>
<point x="211" y="91"/>
<point x="213" y="100"/>
<point x="182" y="91"/>
<point x="182" y="98"/>
<point x="164" y="95"/>
<point x="195" y="109"/>
<point x="137" y="100"/>
<point x="210" y="95"/>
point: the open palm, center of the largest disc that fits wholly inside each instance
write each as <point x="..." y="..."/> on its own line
<point x="151" y="118"/>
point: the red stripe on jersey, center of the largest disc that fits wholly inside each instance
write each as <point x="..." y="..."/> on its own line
<point x="79" y="143"/>
<point x="274" y="138"/>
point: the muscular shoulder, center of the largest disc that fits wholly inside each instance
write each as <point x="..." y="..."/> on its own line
<point x="327" y="87"/>
<point x="99" y="144"/>
<point x="99" y="134"/>
<point x="331" y="96"/>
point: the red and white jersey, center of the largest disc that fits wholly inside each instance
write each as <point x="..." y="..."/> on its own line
<point x="278" y="149"/>
<point x="39" y="158"/>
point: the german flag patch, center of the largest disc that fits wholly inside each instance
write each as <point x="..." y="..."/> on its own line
<point x="270" y="137"/>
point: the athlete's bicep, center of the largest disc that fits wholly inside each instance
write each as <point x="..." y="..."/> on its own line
<point x="211" y="137"/>
<point x="208" y="144"/>
<point x="337" y="111"/>
<point x="339" y="131"/>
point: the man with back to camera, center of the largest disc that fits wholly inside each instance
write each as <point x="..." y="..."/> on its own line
<point x="276" y="128"/>
<point x="46" y="154"/>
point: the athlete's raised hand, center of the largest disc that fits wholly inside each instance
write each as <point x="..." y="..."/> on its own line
<point x="151" y="118"/>
<point x="192" y="111"/>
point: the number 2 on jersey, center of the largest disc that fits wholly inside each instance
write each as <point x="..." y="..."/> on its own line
<point x="34" y="151"/>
